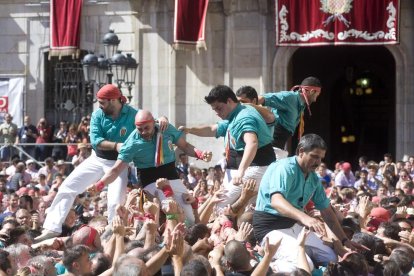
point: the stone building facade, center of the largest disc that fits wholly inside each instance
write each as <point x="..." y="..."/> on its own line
<point x="240" y="39"/>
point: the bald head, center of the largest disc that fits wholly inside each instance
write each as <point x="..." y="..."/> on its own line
<point x="145" y="124"/>
<point x="237" y="255"/>
<point x="143" y="116"/>
<point x="88" y="236"/>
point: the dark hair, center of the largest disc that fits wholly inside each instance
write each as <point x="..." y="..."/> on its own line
<point x="363" y="159"/>
<point x="196" y="232"/>
<point x="5" y="263"/>
<point x="15" y="234"/>
<point x="311" y="81"/>
<point x="194" y="268"/>
<point x="389" y="155"/>
<point x="403" y="259"/>
<point x="220" y="93"/>
<point x="389" y="268"/>
<point x="28" y="199"/>
<point x="73" y="254"/>
<point x="391" y="230"/>
<point x="310" y="142"/>
<point x="249" y="92"/>
<point x="102" y="264"/>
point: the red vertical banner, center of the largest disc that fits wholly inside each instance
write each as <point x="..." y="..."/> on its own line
<point x="337" y="22"/>
<point x="189" y="24"/>
<point x="65" y="17"/>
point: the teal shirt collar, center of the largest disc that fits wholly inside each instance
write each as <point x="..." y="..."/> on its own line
<point x="234" y="112"/>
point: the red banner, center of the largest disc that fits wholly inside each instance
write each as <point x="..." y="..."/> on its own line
<point x="65" y="16"/>
<point x="189" y="24"/>
<point x="337" y="22"/>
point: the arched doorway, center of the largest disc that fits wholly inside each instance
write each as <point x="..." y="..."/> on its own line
<point x="355" y="113"/>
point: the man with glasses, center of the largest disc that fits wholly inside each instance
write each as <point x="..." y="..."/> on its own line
<point x="110" y="126"/>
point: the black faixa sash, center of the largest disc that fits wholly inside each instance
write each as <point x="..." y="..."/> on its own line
<point x="150" y="175"/>
<point x="107" y="154"/>
<point x="280" y="136"/>
<point x="264" y="157"/>
<point x="264" y="223"/>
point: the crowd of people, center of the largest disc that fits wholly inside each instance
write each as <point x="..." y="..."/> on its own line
<point x="130" y="208"/>
<point x="69" y="135"/>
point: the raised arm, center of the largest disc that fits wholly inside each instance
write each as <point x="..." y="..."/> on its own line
<point x="203" y="131"/>
<point x="280" y="204"/>
<point x="190" y="150"/>
<point x="267" y="115"/>
<point x="252" y="143"/>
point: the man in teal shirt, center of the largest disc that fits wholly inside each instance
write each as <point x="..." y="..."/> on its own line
<point x="286" y="108"/>
<point x="247" y="140"/>
<point x="287" y="186"/>
<point x="110" y="126"/>
<point x="152" y="152"/>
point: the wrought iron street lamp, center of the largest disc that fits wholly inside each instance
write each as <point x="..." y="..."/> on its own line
<point x="100" y="70"/>
<point x="131" y="73"/>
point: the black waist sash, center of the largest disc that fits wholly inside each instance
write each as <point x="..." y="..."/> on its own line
<point x="150" y="175"/>
<point x="107" y="154"/>
<point x="264" y="157"/>
<point x="264" y="223"/>
<point x="280" y="136"/>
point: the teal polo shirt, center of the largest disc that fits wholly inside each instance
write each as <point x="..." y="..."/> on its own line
<point x="102" y="127"/>
<point x="241" y="120"/>
<point x="142" y="152"/>
<point x="286" y="177"/>
<point x="287" y="107"/>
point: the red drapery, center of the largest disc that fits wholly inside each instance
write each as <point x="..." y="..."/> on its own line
<point x="65" y="16"/>
<point x="189" y="24"/>
<point x="337" y="22"/>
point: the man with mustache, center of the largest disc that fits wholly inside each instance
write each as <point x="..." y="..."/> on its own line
<point x="286" y="188"/>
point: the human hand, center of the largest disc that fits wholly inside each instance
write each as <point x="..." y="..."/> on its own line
<point x="271" y="249"/>
<point x="202" y="247"/>
<point x="163" y="123"/>
<point x="169" y="207"/>
<point x="183" y="129"/>
<point x="355" y="246"/>
<point x="118" y="227"/>
<point x="218" y="196"/>
<point x="249" y="189"/>
<point x="35" y="218"/>
<point x="121" y="211"/>
<point x="207" y="155"/>
<point x="131" y="197"/>
<point x="215" y="255"/>
<point x="364" y="207"/>
<point x="401" y="211"/>
<point x="315" y="225"/>
<point x="150" y="207"/>
<point x="244" y="232"/>
<point x="303" y="235"/>
<point x="237" y="178"/>
<point x="161" y="183"/>
<point x="175" y="244"/>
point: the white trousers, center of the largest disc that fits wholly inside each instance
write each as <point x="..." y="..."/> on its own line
<point x="179" y="189"/>
<point x="233" y="191"/>
<point x="84" y="175"/>
<point x="285" y="259"/>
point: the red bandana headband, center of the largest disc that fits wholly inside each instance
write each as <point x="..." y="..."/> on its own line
<point x="92" y="234"/>
<point x="140" y="123"/>
<point x="304" y="90"/>
<point x="110" y="92"/>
